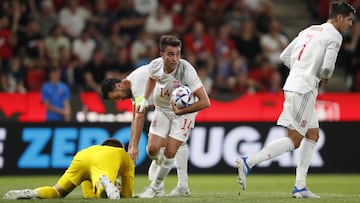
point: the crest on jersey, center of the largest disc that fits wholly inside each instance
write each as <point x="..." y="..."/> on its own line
<point x="303" y="123"/>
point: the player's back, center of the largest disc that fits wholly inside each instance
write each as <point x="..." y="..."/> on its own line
<point x="103" y="156"/>
<point x="307" y="56"/>
<point x="138" y="79"/>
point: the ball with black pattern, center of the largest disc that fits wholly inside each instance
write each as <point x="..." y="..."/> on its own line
<point x="182" y="97"/>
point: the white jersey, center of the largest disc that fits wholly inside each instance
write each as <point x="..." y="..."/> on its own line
<point x="184" y="74"/>
<point x="311" y="56"/>
<point x="138" y="79"/>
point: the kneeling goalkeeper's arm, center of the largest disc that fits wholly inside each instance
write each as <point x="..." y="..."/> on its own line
<point x="127" y="185"/>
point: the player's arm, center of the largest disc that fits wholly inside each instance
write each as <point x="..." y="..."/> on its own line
<point x="67" y="110"/>
<point x="202" y="103"/>
<point x="149" y="88"/>
<point x="127" y="185"/>
<point x="329" y="61"/>
<point x="127" y="179"/>
<point x="52" y="108"/>
<point x="286" y="53"/>
<point x="137" y="125"/>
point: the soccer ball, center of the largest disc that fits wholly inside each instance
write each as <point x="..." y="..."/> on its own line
<point x="182" y="97"/>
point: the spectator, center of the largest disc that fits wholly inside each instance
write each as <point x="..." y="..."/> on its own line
<point x="204" y="76"/>
<point x="224" y="44"/>
<point x="275" y="84"/>
<point x="248" y="43"/>
<point x="210" y="16"/>
<point x="264" y="16"/>
<point x="115" y="42"/>
<point x="239" y="82"/>
<point x="146" y="7"/>
<point x="84" y="46"/>
<point x="19" y="14"/>
<point x="101" y="17"/>
<point x="129" y="20"/>
<point x="7" y="41"/>
<point x="261" y="76"/>
<point x="198" y="42"/>
<point x="35" y="74"/>
<point x="66" y="65"/>
<point x="78" y="72"/>
<point x="122" y="66"/>
<point x="46" y="17"/>
<point x="31" y="42"/>
<point x="273" y="42"/>
<point x="102" y="41"/>
<point x="227" y="73"/>
<point x="14" y="79"/>
<point x="73" y="18"/>
<point x="350" y="57"/>
<point x="95" y="71"/>
<point x="236" y="16"/>
<point x="159" y="22"/>
<point x="56" y="97"/>
<point x="140" y="47"/>
<point x="56" y="41"/>
<point x="182" y="24"/>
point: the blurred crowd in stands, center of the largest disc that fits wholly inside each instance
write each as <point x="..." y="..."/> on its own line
<point x="233" y="44"/>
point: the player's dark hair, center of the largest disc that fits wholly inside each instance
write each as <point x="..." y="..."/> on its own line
<point x="169" y="40"/>
<point x="340" y="8"/>
<point x="108" y="85"/>
<point x="113" y="143"/>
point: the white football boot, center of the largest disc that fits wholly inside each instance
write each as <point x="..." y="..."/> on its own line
<point x="303" y="193"/>
<point x="243" y="171"/>
<point x="21" y="194"/>
<point x="111" y="190"/>
<point x="151" y="192"/>
<point x="179" y="192"/>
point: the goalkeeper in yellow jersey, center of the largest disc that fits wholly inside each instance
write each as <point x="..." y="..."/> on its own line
<point x="96" y="169"/>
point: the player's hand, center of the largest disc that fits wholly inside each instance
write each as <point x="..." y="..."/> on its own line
<point x="143" y="105"/>
<point x="133" y="153"/>
<point x="175" y="109"/>
<point x="322" y="82"/>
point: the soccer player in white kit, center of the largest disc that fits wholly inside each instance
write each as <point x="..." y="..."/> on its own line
<point x="133" y="87"/>
<point x="311" y="58"/>
<point x="171" y="123"/>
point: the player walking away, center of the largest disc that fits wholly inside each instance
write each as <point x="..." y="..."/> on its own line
<point x="96" y="169"/>
<point x="311" y="58"/>
<point x="133" y="87"/>
<point x="169" y="123"/>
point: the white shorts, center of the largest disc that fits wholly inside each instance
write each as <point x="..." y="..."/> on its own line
<point x="299" y="112"/>
<point x="166" y="124"/>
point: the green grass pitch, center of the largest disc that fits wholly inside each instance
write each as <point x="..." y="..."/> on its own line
<point x="217" y="188"/>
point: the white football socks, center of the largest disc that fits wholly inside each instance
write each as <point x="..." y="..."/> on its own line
<point x="161" y="172"/>
<point x="181" y="161"/>
<point x="306" y="150"/>
<point x="271" y="150"/>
